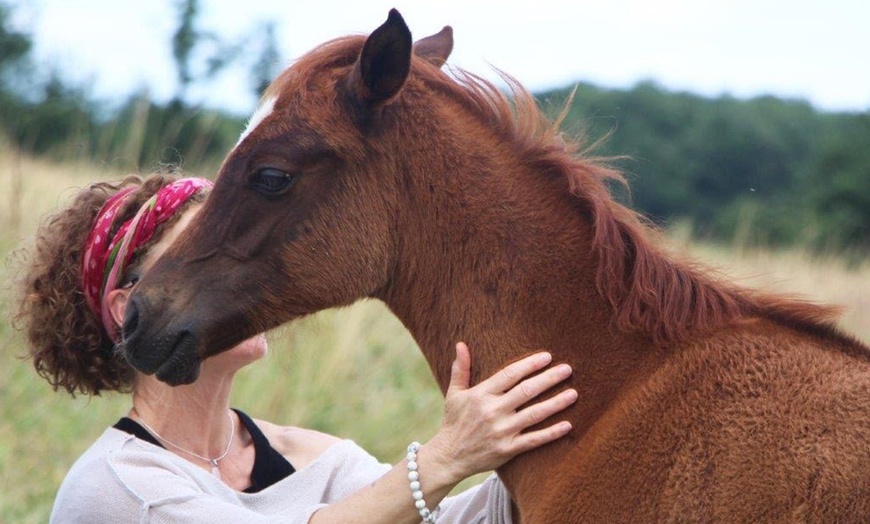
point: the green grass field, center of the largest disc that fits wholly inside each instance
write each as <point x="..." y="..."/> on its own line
<point x="355" y="373"/>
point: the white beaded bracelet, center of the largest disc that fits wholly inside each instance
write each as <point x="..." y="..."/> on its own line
<point x="416" y="491"/>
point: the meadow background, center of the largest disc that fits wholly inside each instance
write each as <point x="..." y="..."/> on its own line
<point x="774" y="193"/>
<point x="354" y="372"/>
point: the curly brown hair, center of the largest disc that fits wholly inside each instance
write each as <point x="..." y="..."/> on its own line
<point x="67" y="341"/>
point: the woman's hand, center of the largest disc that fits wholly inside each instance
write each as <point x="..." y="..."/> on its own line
<point x="483" y="425"/>
<point x="482" y="429"/>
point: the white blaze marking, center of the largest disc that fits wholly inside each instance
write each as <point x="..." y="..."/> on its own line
<point x="259" y="115"/>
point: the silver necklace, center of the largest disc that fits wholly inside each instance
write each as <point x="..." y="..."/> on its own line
<point x="212" y="461"/>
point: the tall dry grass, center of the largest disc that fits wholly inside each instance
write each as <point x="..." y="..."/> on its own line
<point x="353" y="372"/>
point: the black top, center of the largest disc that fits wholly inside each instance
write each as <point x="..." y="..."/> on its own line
<point x="269" y="465"/>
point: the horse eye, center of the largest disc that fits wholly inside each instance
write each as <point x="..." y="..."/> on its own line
<point x="271" y="182"/>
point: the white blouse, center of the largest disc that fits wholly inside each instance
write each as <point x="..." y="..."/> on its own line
<point x="123" y="479"/>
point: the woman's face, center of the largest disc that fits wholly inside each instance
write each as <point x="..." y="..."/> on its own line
<point x="247" y="351"/>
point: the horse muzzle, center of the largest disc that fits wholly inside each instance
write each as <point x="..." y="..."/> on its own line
<point x="169" y="353"/>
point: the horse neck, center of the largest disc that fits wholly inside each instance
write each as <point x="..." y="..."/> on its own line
<point x="501" y="259"/>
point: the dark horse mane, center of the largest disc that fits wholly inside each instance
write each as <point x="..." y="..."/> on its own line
<point x="649" y="289"/>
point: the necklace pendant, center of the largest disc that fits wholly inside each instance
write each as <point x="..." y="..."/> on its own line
<point x="214" y="469"/>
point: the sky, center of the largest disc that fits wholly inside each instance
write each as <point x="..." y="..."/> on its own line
<point x="815" y="50"/>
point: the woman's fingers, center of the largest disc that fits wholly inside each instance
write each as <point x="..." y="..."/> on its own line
<point x="460" y="373"/>
<point x="483" y="426"/>
<point x="540" y="411"/>
<point x="534" y="386"/>
<point x="510" y="375"/>
<point x="533" y="439"/>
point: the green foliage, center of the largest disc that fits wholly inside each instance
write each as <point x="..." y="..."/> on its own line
<point x="63" y="121"/>
<point x="199" y="55"/>
<point x="265" y="68"/>
<point x="838" y="188"/>
<point x="144" y="133"/>
<point x="14" y="45"/>
<point x="763" y="171"/>
<point x="14" y="49"/>
<point x="61" y="118"/>
<point x="141" y="134"/>
<point x="184" y="40"/>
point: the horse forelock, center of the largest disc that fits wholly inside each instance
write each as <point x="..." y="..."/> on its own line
<point x="334" y="54"/>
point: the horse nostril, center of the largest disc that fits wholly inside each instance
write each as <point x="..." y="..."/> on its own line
<point x="131" y="319"/>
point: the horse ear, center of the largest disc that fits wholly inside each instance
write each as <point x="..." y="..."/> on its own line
<point x="436" y="48"/>
<point x="385" y="61"/>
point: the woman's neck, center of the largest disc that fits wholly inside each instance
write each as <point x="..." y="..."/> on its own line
<point x="193" y="417"/>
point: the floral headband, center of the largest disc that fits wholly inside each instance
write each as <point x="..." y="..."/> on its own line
<point x="106" y="259"/>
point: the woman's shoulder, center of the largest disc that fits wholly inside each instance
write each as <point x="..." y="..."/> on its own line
<point x="91" y="487"/>
<point x="300" y="446"/>
<point x="116" y="451"/>
<point x="338" y="466"/>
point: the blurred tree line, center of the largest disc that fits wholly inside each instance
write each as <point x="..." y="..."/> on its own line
<point x="42" y="114"/>
<point x="764" y="171"/>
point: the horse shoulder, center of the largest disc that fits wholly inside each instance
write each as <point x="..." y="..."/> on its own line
<point x="753" y="404"/>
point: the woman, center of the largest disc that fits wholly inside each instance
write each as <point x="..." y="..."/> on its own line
<point x="182" y="455"/>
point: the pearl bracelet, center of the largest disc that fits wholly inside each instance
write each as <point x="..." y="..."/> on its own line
<point x="416" y="491"/>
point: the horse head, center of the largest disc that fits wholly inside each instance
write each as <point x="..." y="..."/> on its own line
<point x="302" y="216"/>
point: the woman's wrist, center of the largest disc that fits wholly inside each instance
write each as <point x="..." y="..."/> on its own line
<point x="390" y="499"/>
<point x="438" y="467"/>
<point x="429" y="515"/>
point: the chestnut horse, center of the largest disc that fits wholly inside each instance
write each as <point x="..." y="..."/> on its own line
<point x="369" y="172"/>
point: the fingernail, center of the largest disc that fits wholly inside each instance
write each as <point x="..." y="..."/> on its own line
<point x="572" y="394"/>
<point x="565" y="369"/>
<point x="545" y="358"/>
